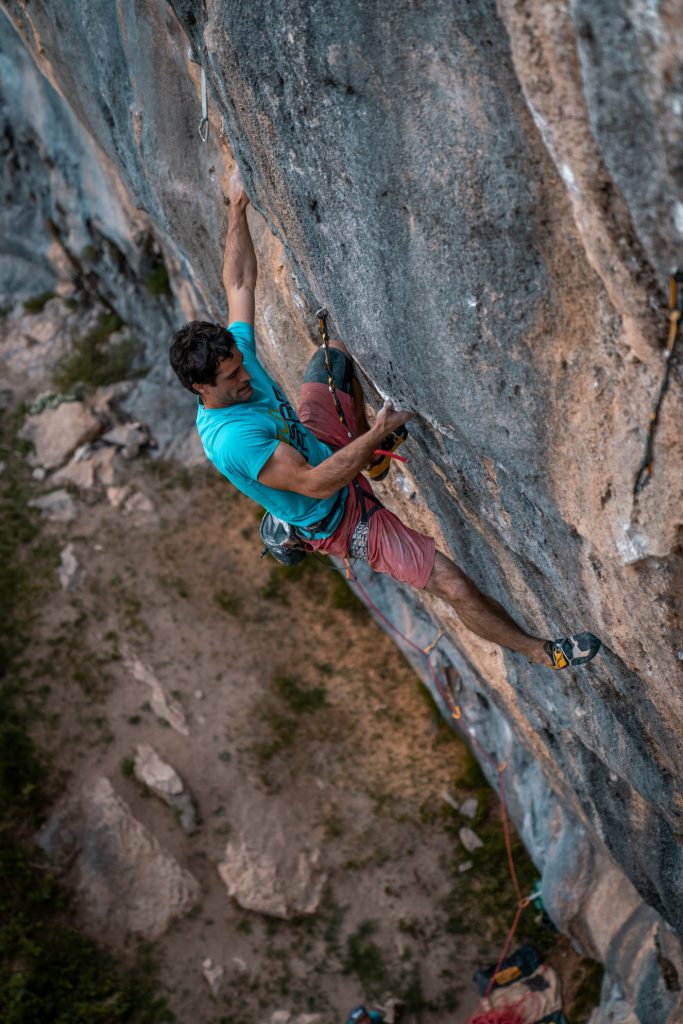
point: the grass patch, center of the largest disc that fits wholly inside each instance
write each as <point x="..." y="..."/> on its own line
<point x="230" y="603"/>
<point x="282" y="734"/>
<point x="590" y="974"/>
<point x="95" y="360"/>
<point x="157" y="282"/>
<point x="342" y="596"/>
<point x="37" y="303"/>
<point x="301" y="699"/>
<point x="365" y="959"/>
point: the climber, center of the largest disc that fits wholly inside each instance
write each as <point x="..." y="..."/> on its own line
<point x="305" y="470"/>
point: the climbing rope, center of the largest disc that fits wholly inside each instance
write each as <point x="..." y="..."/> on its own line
<point x="675" y="311"/>
<point x="322" y="327"/>
<point x="500" y="768"/>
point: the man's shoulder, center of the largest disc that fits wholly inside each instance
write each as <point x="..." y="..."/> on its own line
<point x="243" y="333"/>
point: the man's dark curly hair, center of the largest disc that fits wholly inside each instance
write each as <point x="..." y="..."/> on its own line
<point x="197" y="349"/>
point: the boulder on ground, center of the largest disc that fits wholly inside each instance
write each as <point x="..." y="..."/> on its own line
<point x="58" y="506"/>
<point x="163" y="779"/>
<point x="266" y="872"/>
<point x="470" y="840"/>
<point x="57" y="433"/>
<point x="124" y="881"/>
<point x="69" y="570"/>
<point x="164" y="706"/>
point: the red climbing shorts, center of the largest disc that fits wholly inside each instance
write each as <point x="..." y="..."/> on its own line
<point x="393" y="548"/>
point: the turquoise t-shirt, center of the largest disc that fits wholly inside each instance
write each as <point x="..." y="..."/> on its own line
<point x="240" y="439"/>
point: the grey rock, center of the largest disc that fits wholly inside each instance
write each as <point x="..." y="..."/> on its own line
<point x="450" y="800"/>
<point x="466" y="865"/>
<point x="470" y="840"/>
<point x="270" y="872"/>
<point x="138" y="502"/>
<point x="57" y="433"/>
<point x="163" y="779"/>
<point x="69" y="571"/>
<point x="469" y="807"/>
<point x="118" y="495"/>
<point x="58" y="506"/>
<point x="163" y="705"/>
<point x="214" y="976"/>
<point x="125" y="882"/>
<point x="130" y="437"/>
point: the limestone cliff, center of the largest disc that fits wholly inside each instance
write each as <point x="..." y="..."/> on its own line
<point x="489" y="201"/>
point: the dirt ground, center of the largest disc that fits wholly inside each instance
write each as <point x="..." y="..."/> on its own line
<point x="360" y="769"/>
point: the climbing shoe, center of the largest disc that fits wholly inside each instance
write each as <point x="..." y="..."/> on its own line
<point x="570" y="651"/>
<point x="378" y="467"/>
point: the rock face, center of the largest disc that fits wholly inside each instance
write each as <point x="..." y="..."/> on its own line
<point x="123" y="879"/>
<point x="488" y="199"/>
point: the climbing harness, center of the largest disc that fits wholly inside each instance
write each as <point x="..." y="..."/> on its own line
<point x="378" y="467"/>
<point x="675" y="312"/>
<point x="203" y="127"/>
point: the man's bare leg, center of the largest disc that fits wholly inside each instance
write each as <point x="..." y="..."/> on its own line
<point x="479" y="613"/>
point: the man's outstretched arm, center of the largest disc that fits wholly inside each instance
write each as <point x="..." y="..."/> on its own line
<point x="239" y="262"/>
<point x="287" y="470"/>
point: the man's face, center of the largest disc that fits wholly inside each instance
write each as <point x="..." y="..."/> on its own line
<point x="232" y="384"/>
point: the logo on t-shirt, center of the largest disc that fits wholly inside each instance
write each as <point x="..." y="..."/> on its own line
<point x="289" y="429"/>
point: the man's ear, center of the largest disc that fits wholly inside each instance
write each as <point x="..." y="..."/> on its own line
<point x="199" y="389"/>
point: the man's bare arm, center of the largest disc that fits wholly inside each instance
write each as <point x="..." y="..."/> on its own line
<point x="287" y="470"/>
<point x="239" y="263"/>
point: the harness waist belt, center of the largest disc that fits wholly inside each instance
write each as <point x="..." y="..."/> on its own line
<point x="323" y="524"/>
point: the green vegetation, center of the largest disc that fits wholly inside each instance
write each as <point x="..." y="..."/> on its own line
<point x="588" y="979"/>
<point x="230" y="603"/>
<point x="37" y="303"/>
<point x="298" y="697"/>
<point x="157" y="282"/>
<point x="364" y="959"/>
<point x="96" y="360"/>
<point x="48" y="970"/>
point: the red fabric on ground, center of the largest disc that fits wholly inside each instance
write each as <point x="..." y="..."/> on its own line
<point x="393" y="548"/>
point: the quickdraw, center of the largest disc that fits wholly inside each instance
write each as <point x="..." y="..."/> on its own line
<point x="322" y="327"/>
<point x="675" y="312"/>
<point x="203" y="126"/>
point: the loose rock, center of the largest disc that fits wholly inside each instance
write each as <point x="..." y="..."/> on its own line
<point x="124" y="881"/>
<point x="163" y="706"/>
<point x="117" y="495"/>
<point x="215" y="977"/>
<point x="129" y="437"/>
<point x="469" y="807"/>
<point x="470" y="840"/>
<point x="57" y="433"/>
<point x="58" y="506"/>
<point x="138" y="502"/>
<point x="270" y="877"/>
<point x="69" y="571"/>
<point x="163" y="779"/>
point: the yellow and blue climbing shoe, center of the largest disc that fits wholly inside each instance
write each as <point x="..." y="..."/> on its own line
<point x="378" y="468"/>
<point x="571" y="651"/>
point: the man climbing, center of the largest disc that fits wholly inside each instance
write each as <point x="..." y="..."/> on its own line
<point x="306" y="471"/>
